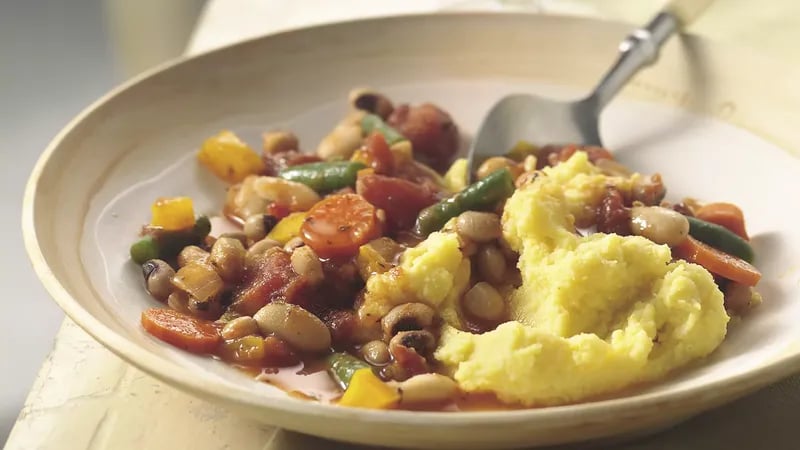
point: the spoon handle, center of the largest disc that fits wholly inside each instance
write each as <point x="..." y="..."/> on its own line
<point x="640" y="49"/>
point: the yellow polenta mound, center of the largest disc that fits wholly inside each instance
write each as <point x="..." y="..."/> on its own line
<point x="594" y="314"/>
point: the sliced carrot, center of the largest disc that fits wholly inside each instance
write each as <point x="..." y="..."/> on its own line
<point x="717" y="262"/>
<point x="726" y="215"/>
<point x="181" y="330"/>
<point x="339" y="224"/>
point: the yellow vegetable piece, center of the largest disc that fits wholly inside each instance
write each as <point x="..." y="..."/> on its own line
<point x="288" y="227"/>
<point x="377" y="257"/>
<point x="361" y="156"/>
<point x="173" y="213"/>
<point x="200" y="281"/>
<point x="403" y="152"/>
<point x="456" y="178"/>
<point x="243" y="350"/>
<point x="368" y="391"/>
<point x="229" y="158"/>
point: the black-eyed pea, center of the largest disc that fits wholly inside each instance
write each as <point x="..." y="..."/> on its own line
<point x="158" y="278"/>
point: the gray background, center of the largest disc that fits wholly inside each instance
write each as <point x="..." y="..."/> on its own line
<point x="56" y="57"/>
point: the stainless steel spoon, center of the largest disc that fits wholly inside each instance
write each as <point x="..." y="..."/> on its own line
<point x="545" y="121"/>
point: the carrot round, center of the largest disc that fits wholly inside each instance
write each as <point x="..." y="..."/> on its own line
<point x="339" y="224"/>
<point x="718" y="262"/>
<point x="725" y="215"/>
<point x="181" y="330"/>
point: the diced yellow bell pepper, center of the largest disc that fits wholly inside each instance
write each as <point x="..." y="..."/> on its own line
<point x="456" y="178"/>
<point x="361" y="155"/>
<point x="172" y="213"/>
<point x="377" y="256"/>
<point x="288" y="227"/>
<point x="403" y="152"/>
<point x="243" y="350"/>
<point x="229" y="158"/>
<point x="368" y="391"/>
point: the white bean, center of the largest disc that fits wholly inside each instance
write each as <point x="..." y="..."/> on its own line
<point x="306" y="263"/>
<point x="302" y="330"/>
<point x="261" y="247"/>
<point x="427" y="388"/>
<point x="227" y="257"/>
<point x="479" y="226"/>
<point x="239" y="327"/>
<point x="341" y="142"/>
<point x="297" y="196"/>
<point x="660" y="225"/>
<point x="484" y="302"/>
<point x="491" y="264"/>
<point x="293" y="243"/>
<point x="376" y="353"/>
<point x="279" y="141"/>
<point x="493" y="164"/>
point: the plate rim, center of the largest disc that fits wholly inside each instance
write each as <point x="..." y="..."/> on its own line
<point x="176" y="375"/>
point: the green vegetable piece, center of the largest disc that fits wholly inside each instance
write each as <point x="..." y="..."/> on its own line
<point x="371" y="122"/>
<point x="169" y="243"/>
<point x="720" y="238"/>
<point x="342" y="366"/>
<point x="144" y="250"/>
<point x="479" y="196"/>
<point x="202" y="226"/>
<point x="324" y="176"/>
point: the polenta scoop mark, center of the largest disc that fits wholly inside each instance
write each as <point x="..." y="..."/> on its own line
<point x="594" y="314"/>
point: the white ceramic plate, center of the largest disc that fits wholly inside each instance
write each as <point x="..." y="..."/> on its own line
<point x="91" y="189"/>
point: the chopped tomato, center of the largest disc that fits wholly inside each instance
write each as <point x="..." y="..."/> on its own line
<point x="378" y="154"/>
<point x="718" y="262"/>
<point x="402" y="200"/>
<point x="339" y="224"/>
<point x="725" y="215"/>
<point x="269" y="279"/>
<point x="277" y="210"/>
<point x="181" y="330"/>
<point x="277" y="353"/>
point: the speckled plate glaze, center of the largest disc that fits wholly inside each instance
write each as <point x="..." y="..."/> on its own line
<point x="703" y="117"/>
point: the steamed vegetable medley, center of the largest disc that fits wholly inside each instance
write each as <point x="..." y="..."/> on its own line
<point x="558" y="276"/>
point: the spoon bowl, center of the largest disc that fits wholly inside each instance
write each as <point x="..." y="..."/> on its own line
<point x="542" y="121"/>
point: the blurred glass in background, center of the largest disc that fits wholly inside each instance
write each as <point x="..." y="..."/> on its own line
<point x="56" y="57"/>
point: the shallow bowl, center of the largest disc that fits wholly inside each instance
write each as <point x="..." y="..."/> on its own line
<point x="704" y="117"/>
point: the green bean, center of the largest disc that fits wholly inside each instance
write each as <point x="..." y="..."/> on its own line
<point x="324" y="176"/>
<point x="371" y="122"/>
<point x="144" y="250"/>
<point x="720" y="238"/>
<point x="342" y="366"/>
<point x="167" y="244"/>
<point x="479" y="196"/>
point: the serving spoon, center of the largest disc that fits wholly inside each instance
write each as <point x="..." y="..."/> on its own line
<point x="541" y="120"/>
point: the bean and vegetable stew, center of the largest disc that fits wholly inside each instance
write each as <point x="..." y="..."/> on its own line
<point x="558" y="276"/>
